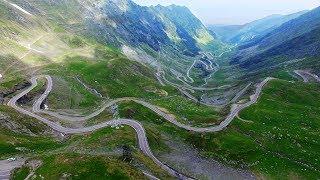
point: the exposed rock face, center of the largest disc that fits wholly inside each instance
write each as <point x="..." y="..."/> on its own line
<point x="17" y="128"/>
<point x="1" y="98"/>
<point x="17" y="87"/>
<point x="124" y="22"/>
<point x="134" y="25"/>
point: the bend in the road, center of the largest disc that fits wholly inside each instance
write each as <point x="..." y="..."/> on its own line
<point x="156" y="109"/>
<point x="142" y="139"/>
<point x="143" y="143"/>
<point x="304" y="74"/>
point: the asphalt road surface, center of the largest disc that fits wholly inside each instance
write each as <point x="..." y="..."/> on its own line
<point x="137" y="126"/>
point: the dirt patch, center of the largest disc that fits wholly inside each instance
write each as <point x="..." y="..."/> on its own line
<point x="154" y="90"/>
<point x="187" y="160"/>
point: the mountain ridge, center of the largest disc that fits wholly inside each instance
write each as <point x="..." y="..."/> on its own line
<point x="297" y="38"/>
<point x="242" y="34"/>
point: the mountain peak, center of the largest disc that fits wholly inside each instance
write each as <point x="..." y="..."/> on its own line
<point x="123" y="5"/>
<point x="173" y="7"/>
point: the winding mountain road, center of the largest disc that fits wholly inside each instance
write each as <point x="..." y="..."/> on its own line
<point x="141" y="134"/>
<point x="234" y="112"/>
<point x="188" y="72"/>
<point x="160" y="75"/>
<point x="36" y="108"/>
<point x="6" y="167"/>
<point x="304" y="75"/>
<point x="300" y="73"/>
<point x="208" y="67"/>
<point x="137" y="126"/>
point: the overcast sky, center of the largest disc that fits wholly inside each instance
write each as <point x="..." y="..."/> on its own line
<point x="237" y="11"/>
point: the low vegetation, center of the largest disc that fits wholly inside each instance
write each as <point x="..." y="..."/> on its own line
<point x="21" y="173"/>
<point x="275" y="138"/>
<point x="99" y="153"/>
<point x="77" y="166"/>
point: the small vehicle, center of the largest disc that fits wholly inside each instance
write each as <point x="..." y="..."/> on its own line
<point x="11" y="159"/>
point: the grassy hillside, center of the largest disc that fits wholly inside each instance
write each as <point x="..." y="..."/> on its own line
<point x="99" y="150"/>
<point x="277" y="138"/>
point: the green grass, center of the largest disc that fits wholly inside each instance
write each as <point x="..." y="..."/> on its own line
<point x="109" y="139"/>
<point x="75" y="166"/>
<point x="279" y="134"/>
<point x="12" y="144"/>
<point x="72" y="95"/>
<point x="277" y="138"/>
<point x="20" y="143"/>
<point x="21" y="173"/>
<point x="120" y="78"/>
<point x="132" y="110"/>
<point x="75" y="41"/>
<point x="188" y="111"/>
<point x="286" y="121"/>
<point x="71" y="155"/>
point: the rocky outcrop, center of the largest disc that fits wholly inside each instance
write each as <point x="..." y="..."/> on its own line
<point x="124" y="22"/>
<point x="11" y="91"/>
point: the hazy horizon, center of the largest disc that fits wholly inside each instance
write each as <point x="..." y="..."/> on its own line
<point x="229" y="12"/>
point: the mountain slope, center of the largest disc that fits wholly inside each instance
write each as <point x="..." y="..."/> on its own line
<point x="297" y="38"/>
<point x="134" y="25"/>
<point x="225" y="32"/>
<point x="184" y="20"/>
<point x="255" y="29"/>
<point x="154" y="36"/>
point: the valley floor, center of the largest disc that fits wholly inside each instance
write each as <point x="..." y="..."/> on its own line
<point x="194" y="140"/>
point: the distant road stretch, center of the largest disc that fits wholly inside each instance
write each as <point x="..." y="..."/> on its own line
<point x="305" y="75"/>
<point x="234" y="112"/>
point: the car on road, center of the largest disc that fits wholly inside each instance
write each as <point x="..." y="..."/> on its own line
<point x="11" y="159"/>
